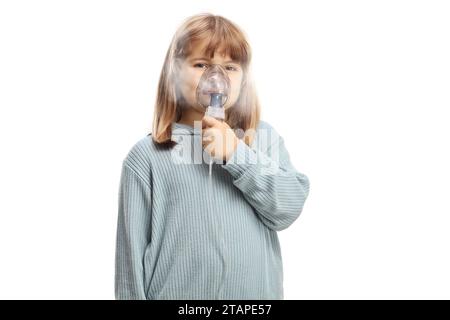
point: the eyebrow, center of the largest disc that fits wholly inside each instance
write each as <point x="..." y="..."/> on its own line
<point x="206" y="59"/>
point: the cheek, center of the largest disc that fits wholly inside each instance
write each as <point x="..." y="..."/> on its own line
<point x="236" y="82"/>
<point x="188" y="84"/>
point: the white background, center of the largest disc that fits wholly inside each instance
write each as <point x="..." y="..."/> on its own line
<point x="358" y="89"/>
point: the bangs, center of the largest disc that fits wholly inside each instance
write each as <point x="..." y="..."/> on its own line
<point x="220" y="36"/>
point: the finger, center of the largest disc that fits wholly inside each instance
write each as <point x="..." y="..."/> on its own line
<point x="205" y="144"/>
<point x="209" y="132"/>
<point x="213" y="131"/>
<point x="210" y="149"/>
<point x="207" y="139"/>
<point x="208" y="121"/>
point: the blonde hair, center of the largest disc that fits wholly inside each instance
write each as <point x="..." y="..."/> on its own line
<point x="221" y="33"/>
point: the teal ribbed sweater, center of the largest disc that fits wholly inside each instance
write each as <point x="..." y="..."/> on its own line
<point x="184" y="235"/>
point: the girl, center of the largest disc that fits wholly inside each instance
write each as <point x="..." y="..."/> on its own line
<point x="180" y="234"/>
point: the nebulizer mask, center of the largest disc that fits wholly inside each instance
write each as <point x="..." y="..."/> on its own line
<point x="212" y="93"/>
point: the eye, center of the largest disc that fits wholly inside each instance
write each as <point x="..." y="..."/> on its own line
<point x="199" y="65"/>
<point x="231" y="68"/>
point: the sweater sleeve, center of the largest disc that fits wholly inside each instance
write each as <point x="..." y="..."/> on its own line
<point x="133" y="235"/>
<point x="269" y="182"/>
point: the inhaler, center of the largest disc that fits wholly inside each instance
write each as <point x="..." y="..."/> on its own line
<point x="212" y="92"/>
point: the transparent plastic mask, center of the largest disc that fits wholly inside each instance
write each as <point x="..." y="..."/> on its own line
<point x="213" y="91"/>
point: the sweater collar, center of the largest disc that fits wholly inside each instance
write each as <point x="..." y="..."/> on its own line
<point x="185" y="129"/>
<point x="181" y="128"/>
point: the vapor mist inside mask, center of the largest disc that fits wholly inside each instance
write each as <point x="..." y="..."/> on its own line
<point x="213" y="91"/>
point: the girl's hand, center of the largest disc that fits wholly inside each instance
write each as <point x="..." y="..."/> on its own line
<point x="218" y="139"/>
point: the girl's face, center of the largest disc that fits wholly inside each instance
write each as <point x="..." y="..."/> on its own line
<point x="192" y="68"/>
